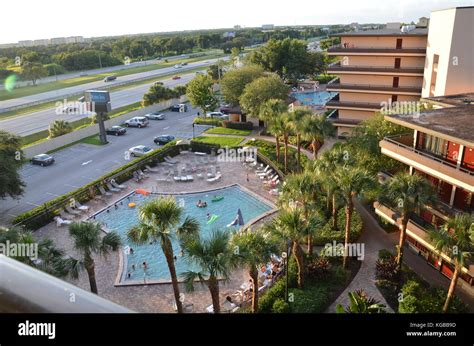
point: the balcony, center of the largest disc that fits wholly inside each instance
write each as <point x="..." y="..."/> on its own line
<point x="379" y="89"/>
<point x="352" y="105"/>
<point x="378" y="70"/>
<point x="377" y="51"/>
<point x="401" y="149"/>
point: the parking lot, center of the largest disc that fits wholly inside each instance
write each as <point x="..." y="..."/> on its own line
<point x="82" y="163"/>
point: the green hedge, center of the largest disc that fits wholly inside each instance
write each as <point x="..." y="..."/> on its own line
<point x="327" y="234"/>
<point x="268" y="149"/>
<point x="236" y="125"/>
<point x="277" y="291"/>
<point x="207" y="121"/>
<point x="204" y="147"/>
<point x="45" y="213"/>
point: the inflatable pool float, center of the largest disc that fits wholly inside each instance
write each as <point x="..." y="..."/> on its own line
<point x="212" y="219"/>
<point x="142" y="192"/>
<point x="203" y="205"/>
<point x="131" y="205"/>
<point x="217" y="198"/>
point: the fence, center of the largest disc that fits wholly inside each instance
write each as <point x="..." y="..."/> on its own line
<point x="58" y="142"/>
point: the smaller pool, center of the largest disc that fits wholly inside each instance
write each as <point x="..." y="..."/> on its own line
<point x="313" y="98"/>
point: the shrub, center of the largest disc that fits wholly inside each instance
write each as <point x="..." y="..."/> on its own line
<point x="207" y="121"/>
<point x="385" y="254"/>
<point x="280" y="306"/>
<point x="325" y="78"/>
<point x="318" y="268"/>
<point x="105" y="116"/>
<point x="327" y="234"/>
<point x="58" y="128"/>
<point x="248" y="125"/>
<point x="313" y="299"/>
<point x="204" y="147"/>
<point x="386" y="269"/>
<point x="277" y="291"/>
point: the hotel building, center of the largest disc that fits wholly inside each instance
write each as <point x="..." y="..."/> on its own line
<point x="439" y="145"/>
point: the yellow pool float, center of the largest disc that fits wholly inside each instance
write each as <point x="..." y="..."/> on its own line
<point x="131" y="205"/>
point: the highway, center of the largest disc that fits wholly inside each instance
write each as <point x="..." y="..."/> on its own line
<point x="80" y="164"/>
<point x="81" y="88"/>
<point x="34" y="122"/>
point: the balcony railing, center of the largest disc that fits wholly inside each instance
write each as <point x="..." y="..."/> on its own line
<point x="372" y="69"/>
<point x="372" y="87"/>
<point x="366" y="49"/>
<point x="353" y="104"/>
<point x="400" y="141"/>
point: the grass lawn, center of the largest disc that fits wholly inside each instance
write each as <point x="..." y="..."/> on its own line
<point x="222" y="141"/>
<point x="227" y="131"/>
<point x="92" y="140"/>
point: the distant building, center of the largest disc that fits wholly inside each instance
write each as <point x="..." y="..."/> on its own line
<point x="58" y="40"/>
<point x="228" y="35"/>
<point x="25" y="43"/>
<point x="42" y="42"/>
<point x="75" y="39"/>
<point x="268" y="26"/>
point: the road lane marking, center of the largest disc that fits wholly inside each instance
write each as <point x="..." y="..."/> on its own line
<point x="166" y="128"/>
<point x="86" y="163"/>
<point x="52" y="194"/>
<point x="74" y="186"/>
<point x="36" y="205"/>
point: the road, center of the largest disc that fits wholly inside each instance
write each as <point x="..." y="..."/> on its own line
<point x="80" y="164"/>
<point x="81" y="88"/>
<point x="34" y="122"/>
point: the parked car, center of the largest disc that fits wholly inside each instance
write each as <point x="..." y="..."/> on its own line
<point x="139" y="150"/>
<point x="42" y="160"/>
<point x="176" y="77"/>
<point x="155" y="116"/>
<point x="137" y="122"/>
<point x="219" y="115"/>
<point x="116" y="131"/>
<point x="181" y="107"/>
<point x="110" y="78"/>
<point x="225" y="110"/>
<point x="163" y="139"/>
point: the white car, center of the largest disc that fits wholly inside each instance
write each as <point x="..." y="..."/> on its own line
<point x="70" y="109"/>
<point x="137" y="122"/>
<point x="155" y="116"/>
<point x="139" y="150"/>
<point x="219" y="115"/>
<point x="177" y="66"/>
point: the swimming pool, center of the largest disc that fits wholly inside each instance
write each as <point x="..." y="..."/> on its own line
<point x="123" y="218"/>
<point x="314" y="98"/>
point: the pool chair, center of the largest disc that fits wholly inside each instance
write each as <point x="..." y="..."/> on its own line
<point x="136" y="177"/>
<point x="117" y="186"/>
<point x="274" y="192"/>
<point x="269" y="175"/>
<point x="65" y="216"/>
<point x="72" y="211"/>
<point x="272" y="180"/>
<point x="170" y="160"/>
<point x="111" y="188"/>
<point x="259" y="170"/>
<point x="141" y="174"/>
<point x="60" y="221"/>
<point x="81" y="207"/>
<point x="103" y="192"/>
<point x="184" y="178"/>
<point x="190" y="178"/>
<point x="151" y="169"/>
<point x="216" y="178"/>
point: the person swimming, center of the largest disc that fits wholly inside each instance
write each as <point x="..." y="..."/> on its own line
<point x="208" y="216"/>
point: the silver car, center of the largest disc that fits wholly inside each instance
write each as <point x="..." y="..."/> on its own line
<point x="137" y="122"/>
<point x="139" y="150"/>
<point x="155" y="116"/>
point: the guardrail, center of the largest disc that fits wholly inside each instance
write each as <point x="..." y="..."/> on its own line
<point x="29" y="290"/>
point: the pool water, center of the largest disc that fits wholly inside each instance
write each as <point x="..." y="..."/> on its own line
<point x="122" y="218"/>
<point x="316" y="98"/>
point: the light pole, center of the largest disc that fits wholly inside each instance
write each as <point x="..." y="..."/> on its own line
<point x="288" y="248"/>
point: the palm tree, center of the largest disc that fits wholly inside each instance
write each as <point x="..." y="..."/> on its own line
<point x="314" y="129"/>
<point x="286" y="130"/>
<point x="253" y="250"/>
<point x="361" y="303"/>
<point x="275" y="127"/>
<point x="215" y="259"/>
<point x="351" y="182"/>
<point x="408" y="193"/>
<point x="58" y="128"/>
<point x="87" y="242"/>
<point x="298" y="117"/>
<point x="455" y="239"/>
<point x="160" y="221"/>
<point x="290" y="225"/>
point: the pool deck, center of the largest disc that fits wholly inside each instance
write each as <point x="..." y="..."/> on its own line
<point x="159" y="298"/>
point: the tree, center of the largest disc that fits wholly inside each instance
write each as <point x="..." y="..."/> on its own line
<point x="33" y="71"/>
<point x="58" y="128"/>
<point x="11" y="159"/>
<point x="271" y="112"/>
<point x="261" y="90"/>
<point x="214" y="258"/>
<point x="253" y="250"/>
<point x="284" y="123"/>
<point x="315" y="129"/>
<point x="351" y="182"/>
<point x="156" y="94"/>
<point x="160" y="221"/>
<point x="361" y="303"/>
<point x="456" y="240"/>
<point x="201" y="94"/>
<point x="408" y="193"/>
<point x="234" y="82"/>
<point x="88" y="242"/>
<point x="289" y="225"/>
<point x="213" y="72"/>
<point x="298" y="117"/>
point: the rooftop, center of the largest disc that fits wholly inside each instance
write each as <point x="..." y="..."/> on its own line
<point x="452" y="123"/>
<point x="451" y="100"/>
<point x="385" y="32"/>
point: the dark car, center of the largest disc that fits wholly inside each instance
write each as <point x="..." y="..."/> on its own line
<point x="116" y="131"/>
<point x="42" y="160"/>
<point x="110" y="78"/>
<point x="163" y="139"/>
<point x="179" y="108"/>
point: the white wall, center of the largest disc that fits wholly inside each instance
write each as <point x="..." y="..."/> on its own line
<point x="75" y="136"/>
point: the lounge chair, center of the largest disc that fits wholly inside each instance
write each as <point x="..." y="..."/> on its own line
<point x="111" y="188"/>
<point x="170" y="160"/>
<point x="151" y="169"/>
<point x="60" y="221"/>
<point x="81" y="207"/>
<point x="103" y="192"/>
<point x="65" y="216"/>
<point x="274" y="192"/>
<point x="117" y="186"/>
<point x="190" y="178"/>
<point x="216" y="178"/>
<point x="136" y="177"/>
<point x="262" y="170"/>
<point x="267" y="172"/>
<point x="271" y="180"/>
<point x="198" y="153"/>
<point x="72" y="211"/>
<point x="141" y="174"/>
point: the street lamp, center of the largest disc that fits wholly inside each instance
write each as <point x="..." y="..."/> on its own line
<point x="288" y="249"/>
<point x="193" y="130"/>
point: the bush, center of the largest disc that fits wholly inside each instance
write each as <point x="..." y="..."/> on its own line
<point x="327" y="234"/>
<point x="58" y="128"/>
<point x="318" y="268"/>
<point x="237" y="125"/>
<point x="386" y="268"/>
<point x="385" y="254"/>
<point x="207" y="121"/>
<point x="277" y="291"/>
<point x="105" y="116"/>
<point x="280" y="306"/>
<point x="268" y="149"/>
<point x="313" y="299"/>
<point x="325" y="78"/>
<point x="204" y="147"/>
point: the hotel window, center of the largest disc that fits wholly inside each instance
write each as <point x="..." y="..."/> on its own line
<point x="468" y="158"/>
<point x="434" y="74"/>
<point x="432" y="144"/>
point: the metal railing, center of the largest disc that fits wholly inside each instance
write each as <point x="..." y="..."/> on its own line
<point x="24" y="289"/>
<point x="338" y="66"/>
<point x="392" y="139"/>
<point x="350" y="47"/>
<point x="373" y="87"/>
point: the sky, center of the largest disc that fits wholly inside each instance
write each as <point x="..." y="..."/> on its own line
<point x="42" y="19"/>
